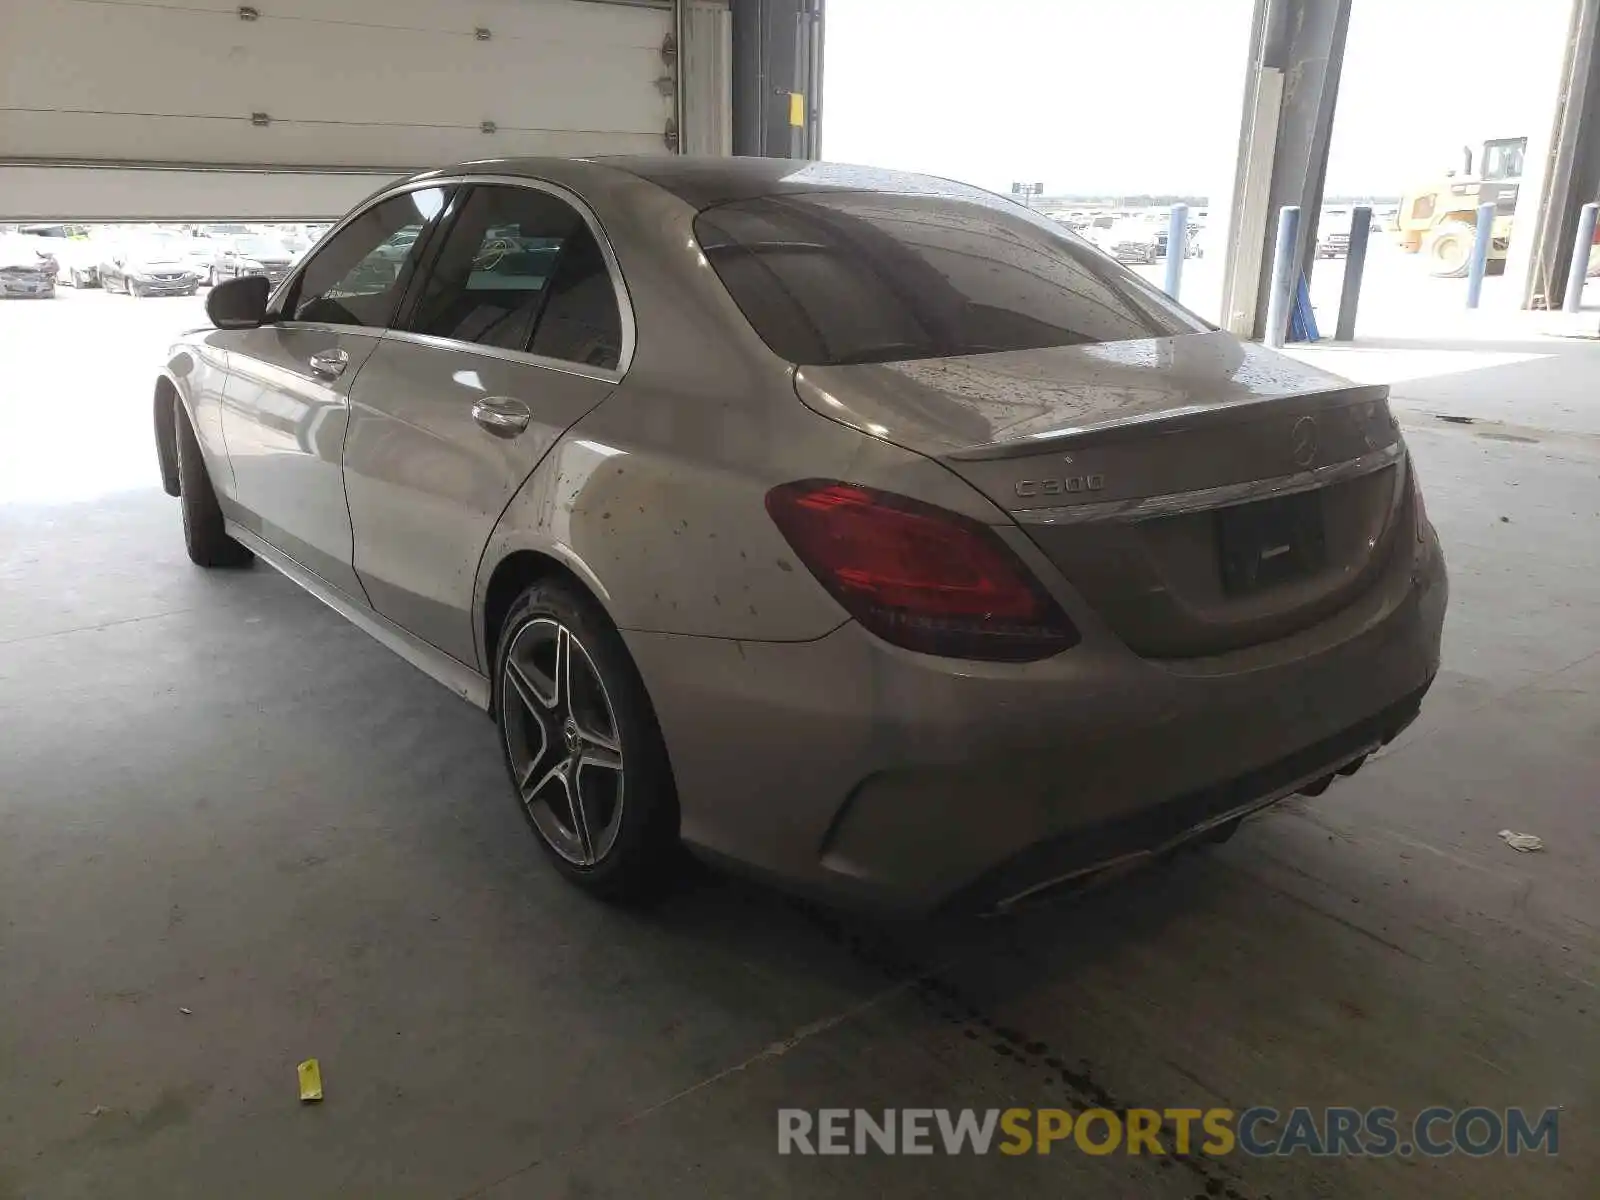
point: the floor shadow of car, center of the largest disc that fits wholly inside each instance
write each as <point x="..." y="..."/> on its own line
<point x="1088" y="920"/>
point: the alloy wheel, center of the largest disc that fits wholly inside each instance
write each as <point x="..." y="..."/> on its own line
<point x="562" y="738"/>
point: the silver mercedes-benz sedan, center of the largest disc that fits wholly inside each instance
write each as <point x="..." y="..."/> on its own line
<point x="865" y="530"/>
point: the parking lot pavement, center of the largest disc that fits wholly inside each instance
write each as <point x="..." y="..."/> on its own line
<point x="82" y="363"/>
<point x="235" y="833"/>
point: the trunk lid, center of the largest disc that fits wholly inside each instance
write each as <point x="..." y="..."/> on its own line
<point x="1201" y="493"/>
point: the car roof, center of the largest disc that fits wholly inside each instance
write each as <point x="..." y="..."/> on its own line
<point x="703" y="182"/>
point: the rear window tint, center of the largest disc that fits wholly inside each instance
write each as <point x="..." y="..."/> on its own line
<point x="830" y="278"/>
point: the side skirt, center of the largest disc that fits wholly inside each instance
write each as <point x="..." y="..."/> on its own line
<point x="431" y="661"/>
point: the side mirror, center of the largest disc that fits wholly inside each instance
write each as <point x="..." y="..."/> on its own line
<point x="239" y="303"/>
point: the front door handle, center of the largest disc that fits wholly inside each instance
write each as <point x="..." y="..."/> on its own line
<point x="329" y="363"/>
<point x="501" y="415"/>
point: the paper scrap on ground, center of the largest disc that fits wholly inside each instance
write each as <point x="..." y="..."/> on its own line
<point x="1521" y="841"/>
<point x="310" y="1080"/>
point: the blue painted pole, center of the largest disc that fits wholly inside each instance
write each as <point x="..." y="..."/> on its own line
<point x="1281" y="295"/>
<point x="1572" y="301"/>
<point x="1355" y="264"/>
<point x="1480" y="254"/>
<point x="1177" y="248"/>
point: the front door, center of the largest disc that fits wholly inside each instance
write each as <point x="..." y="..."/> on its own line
<point x="516" y="334"/>
<point x="286" y="404"/>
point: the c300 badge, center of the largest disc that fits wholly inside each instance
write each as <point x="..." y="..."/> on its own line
<point x="1066" y="485"/>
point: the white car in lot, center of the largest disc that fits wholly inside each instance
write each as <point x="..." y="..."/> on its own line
<point x="78" y="261"/>
<point x="27" y="266"/>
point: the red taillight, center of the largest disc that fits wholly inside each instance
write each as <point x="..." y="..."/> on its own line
<point x="919" y="576"/>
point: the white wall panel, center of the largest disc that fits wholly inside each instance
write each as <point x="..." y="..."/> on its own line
<point x="135" y="194"/>
<point x="388" y="84"/>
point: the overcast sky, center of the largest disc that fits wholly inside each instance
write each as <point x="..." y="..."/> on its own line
<point x="1146" y="95"/>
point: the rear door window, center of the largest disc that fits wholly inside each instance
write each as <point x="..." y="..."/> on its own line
<point x="581" y="322"/>
<point x="517" y="260"/>
<point x="830" y="278"/>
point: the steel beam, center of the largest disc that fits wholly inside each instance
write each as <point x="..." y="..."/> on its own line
<point x="777" y="77"/>
<point x="1297" y="46"/>
<point x="1568" y="174"/>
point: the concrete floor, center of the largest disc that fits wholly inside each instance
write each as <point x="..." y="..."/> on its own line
<point x="216" y="796"/>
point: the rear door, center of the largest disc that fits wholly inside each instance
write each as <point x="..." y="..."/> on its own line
<point x="286" y="403"/>
<point x="516" y="329"/>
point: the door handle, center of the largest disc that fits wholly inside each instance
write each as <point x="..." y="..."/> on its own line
<point x="501" y="415"/>
<point x="330" y="363"/>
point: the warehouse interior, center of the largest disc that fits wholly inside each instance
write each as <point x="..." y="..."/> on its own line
<point x="236" y="833"/>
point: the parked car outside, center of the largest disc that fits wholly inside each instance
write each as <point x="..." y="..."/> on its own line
<point x="1191" y="242"/>
<point x="250" y="254"/>
<point x="197" y="251"/>
<point x="1334" y="245"/>
<point x="27" y="267"/>
<point x="862" y="529"/>
<point x="149" y="265"/>
<point x="1128" y="242"/>
<point x="78" y="260"/>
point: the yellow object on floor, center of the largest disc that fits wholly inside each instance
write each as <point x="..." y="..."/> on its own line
<point x="310" y="1080"/>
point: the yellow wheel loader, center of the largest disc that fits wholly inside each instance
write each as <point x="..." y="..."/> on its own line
<point x="1440" y="219"/>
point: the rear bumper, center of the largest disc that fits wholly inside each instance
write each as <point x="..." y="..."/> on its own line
<point x="1165" y="826"/>
<point x="874" y="777"/>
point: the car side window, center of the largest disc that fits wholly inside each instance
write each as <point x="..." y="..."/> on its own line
<point x="581" y="322"/>
<point x="506" y="271"/>
<point x="358" y="275"/>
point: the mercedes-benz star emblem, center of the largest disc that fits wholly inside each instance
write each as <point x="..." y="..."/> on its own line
<point x="1303" y="442"/>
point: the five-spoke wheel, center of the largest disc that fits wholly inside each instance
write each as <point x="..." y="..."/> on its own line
<point x="581" y="743"/>
<point x="561" y="734"/>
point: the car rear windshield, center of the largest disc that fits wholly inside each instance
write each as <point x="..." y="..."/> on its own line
<point x="830" y="278"/>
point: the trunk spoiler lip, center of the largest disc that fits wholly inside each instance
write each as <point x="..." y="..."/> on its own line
<point x="1225" y="495"/>
<point x="1179" y="419"/>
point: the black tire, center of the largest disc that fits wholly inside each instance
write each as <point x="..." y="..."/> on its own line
<point x="135" y="290"/>
<point x="1450" y="250"/>
<point x="643" y="849"/>
<point x="204" y="534"/>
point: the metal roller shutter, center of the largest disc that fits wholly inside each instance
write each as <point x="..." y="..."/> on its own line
<point x="121" y="109"/>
